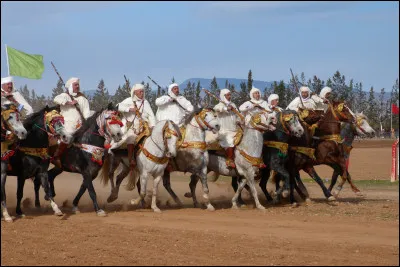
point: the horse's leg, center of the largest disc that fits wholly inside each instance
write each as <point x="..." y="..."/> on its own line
<point x="235" y="187"/>
<point x="36" y="183"/>
<point x="292" y="185"/>
<point x="88" y="180"/>
<point x="300" y="187"/>
<point x="263" y="183"/>
<point x="203" y="178"/>
<point x="353" y="187"/>
<point x="156" y="182"/>
<point x="239" y="190"/>
<point x="336" y="172"/>
<point x="75" y="202"/>
<point x="120" y="177"/>
<point x="250" y="182"/>
<point x="51" y="175"/>
<point x="192" y="185"/>
<point x="313" y="174"/>
<point x="167" y="185"/>
<point x="45" y="184"/>
<point x="4" y="211"/>
<point x="143" y="186"/>
<point x="20" y="195"/>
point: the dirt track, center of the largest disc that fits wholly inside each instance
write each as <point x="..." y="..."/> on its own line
<point x="355" y="231"/>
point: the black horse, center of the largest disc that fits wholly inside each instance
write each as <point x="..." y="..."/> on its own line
<point x="31" y="158"/>
<point x="86" y="154"/>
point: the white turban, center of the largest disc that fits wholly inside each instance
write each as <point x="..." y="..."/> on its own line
<point x="70" y="87"/>
<point x="305" y="89"/>
<point x="222" y="95"/>
<point x="5" y="80"/>
<point x="170" y="89"/>
<point x="136" y="87"/>
<point x="272" y="97"/>
<point x="252" y="91"/>
<point x="325" y="91"/>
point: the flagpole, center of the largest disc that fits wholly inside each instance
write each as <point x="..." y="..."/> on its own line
<point x="391" y="118"/>
<point x="8" y="66"/>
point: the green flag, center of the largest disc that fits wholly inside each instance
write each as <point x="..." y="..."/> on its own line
<point x="25" y="65"/>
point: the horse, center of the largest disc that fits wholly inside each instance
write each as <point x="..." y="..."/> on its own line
<point x="348" y="132"/>
<point x="152" y="159"/>
<point x="192" y="155"/>
<point x="10" y="123"/>
<point x="31" y="158"/>
<point x="248" y="159"/>
<point x="86" y="154"/>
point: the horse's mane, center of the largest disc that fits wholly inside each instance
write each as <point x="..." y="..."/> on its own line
<point x="35" y="117"/>
<point x="87" y="124"/>
<point x="196" y="111"/>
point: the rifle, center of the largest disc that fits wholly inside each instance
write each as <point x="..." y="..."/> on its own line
<point x="76" y="104"/>
<point x="219" y="100"/>
<point x="295" y="84"/>
<point x="159" y="87"/>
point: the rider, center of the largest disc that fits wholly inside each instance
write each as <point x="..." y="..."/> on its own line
<point x="255" y="104"/>
<point x="307" y="101"/>
<point x="70" y="102"/>
<point x="9" y="95"/>
<point x="228" y="121"/>
<point x="173" y="106"/>
<point x="273" y="101"/>
<point x="326" y="96"/>
<point x="128" y="107"/>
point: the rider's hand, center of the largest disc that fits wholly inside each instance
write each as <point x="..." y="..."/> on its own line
<point x="73" y="102"/>
<point x="132" y="109"/>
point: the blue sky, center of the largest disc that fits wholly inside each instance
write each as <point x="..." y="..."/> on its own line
<point x="94" y="40"/>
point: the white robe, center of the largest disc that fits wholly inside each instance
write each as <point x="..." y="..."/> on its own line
<point x="314" y="102"/>
<point x="145" y="110"/>
<point x="72" y="118"/>
<point x="21" y="100"/>
<point x="169" y="110"/>
<point x="227" y="120"/>
<point x="248" y="107"/>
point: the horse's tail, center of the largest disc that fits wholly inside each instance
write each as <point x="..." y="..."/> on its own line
<point x="104" y="177"/>
<point x="133" y="178"/>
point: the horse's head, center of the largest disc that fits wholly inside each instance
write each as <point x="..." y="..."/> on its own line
<point x="310" y="116"/>
<point x="341" y="112"/>
<point x="171" y="134"/>
<point x="10" y="120"/>
<point x="261" y="121"/>
<point x="207" y="120"/>
<point x="112" y="122"/>
<point x="289" y="119"/>
<point x="362" y="126"/>
<point x="55" y="123"/>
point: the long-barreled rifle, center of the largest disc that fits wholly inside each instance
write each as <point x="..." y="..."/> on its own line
<point x="219" y="100"/>
<point x="76" y="104"/>
<point x="295" y="84"/>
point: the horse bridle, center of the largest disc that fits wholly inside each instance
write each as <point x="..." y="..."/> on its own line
<point x="255" y="121"/>
<point x="167" y="134"/>
<point x="5" y="117"/>
<point x="200" y="118"/>
<point x="113" y="117"/>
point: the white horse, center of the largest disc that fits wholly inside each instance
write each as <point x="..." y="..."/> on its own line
<point x="10" y="123"/>
<point x="248" y="156"/>
<point x="152" y="159"/>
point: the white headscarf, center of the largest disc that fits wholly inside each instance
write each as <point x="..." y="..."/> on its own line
<point x="170" y="93"/>
<point x="136" y="87"/>
<point x="305" y="89"/>
<point x="70" y="87"/>
<point x="252" y="91"/>
<point x="6" y="80"/>
<point x="272" y="97"/>
<point x="325" y="91"/>
<point x="222" y="95"/>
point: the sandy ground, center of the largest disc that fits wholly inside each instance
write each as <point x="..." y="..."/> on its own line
<point x="352" y="231"/>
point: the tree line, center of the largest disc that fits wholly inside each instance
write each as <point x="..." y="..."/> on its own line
<point x="377" y="110"/>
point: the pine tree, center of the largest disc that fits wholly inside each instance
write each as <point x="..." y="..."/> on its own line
<point x="383" y="111"/>
<point x="101" y="97"/>
<point x="227" y="84"/>
<point x="329" y="82"/>
<point x="303" y="79"/>
<point x="372" y="111"/>
<point x="291" y="92"/>
<point x="198" y="91"/>
<point x="25" y="93"/>
<point x="59" y="89"/>
<point x="317" y="85"/>
<point x="360" y="99"/>
<point x="150" y="96"/>
<point x="249" y="81"/>
<point x="173" y="79"/>
<point x="339" y="88"/>
<point x="243" y="93"/>
<point x="214" y="89"/>
<point x="280" y="90"/>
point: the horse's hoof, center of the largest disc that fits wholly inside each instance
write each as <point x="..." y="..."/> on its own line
<point x="261" y="207"/>
<point x="210" y="207"/>
<point x="359" y="194"/>
<point x="235" y="206"/>
<point x="157" y="210"/>
<point x="101" y="213"/>
<point x="21" y="215"/>
<point x="308" y="201"/>
<point x="58" y="213"/>
<point x="285" y="193"/>
<point x="7" y="219"/>
<point x="294" y="205"/>
<point x="111" y="198"/>
<point x="188" y="194"/>
<point x="243" y="206"/>
<point x="276" y="201"/>
<point x="135" y="202"/>
<point x="75" y="210"/>
<point x="331" y="198"/>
